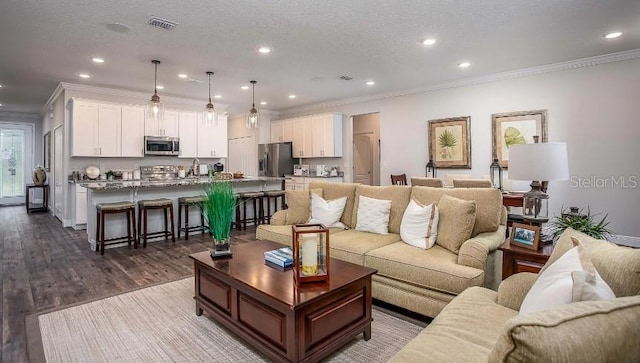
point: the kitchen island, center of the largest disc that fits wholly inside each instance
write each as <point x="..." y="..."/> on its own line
<point x="133" y="191"/>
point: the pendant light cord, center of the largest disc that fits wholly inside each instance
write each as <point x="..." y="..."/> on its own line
<point x="155" y="78"/>
<point x="209" y="87"/>
<point x="253" y="95"/>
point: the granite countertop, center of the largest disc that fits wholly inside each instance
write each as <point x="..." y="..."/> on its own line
<point x="132" y="184"/>
<point x="312" y="176"/>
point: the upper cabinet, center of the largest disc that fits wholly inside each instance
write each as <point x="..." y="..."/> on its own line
<point x="168" y="126"/>
<point x="317" y="136"/>
<point x="96" y="129"/>
<point x="188" y="134"/>
<point x="212" y="138"/>
<point x="132" y="131"/>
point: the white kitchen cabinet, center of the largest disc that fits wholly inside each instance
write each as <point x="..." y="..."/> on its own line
<point x="168" y="126"/>
<point x="212" y="138"/>
<point x="327" y="135"/>
<point x="96" y="129"/>
<point x="80" y="207"/>
<point x="302" y="182"/>
<point x="188" y="133"/>
<point x="132" y="132"/>
<point x="302" y="138"/>
<point x="282" y="131"/>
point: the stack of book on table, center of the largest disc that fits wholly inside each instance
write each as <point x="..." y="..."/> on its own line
<point x="281" y="258"/>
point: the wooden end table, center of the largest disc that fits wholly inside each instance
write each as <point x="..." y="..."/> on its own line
<point x="517" y="259"/>
<point x="264" y="306"/>
<point x="36" y="207"/>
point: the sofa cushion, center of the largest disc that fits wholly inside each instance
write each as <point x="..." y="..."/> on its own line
<point x="435" y="268"/>
<point x="587" y="331"/>
<point x="327" y="212"/>
<point x="373" y="215"/>
<point x="282" y="234"/>
<point x="397" y="194"/>
<point x="457" y="217"/>
<point x="351" y="245"/>
<point x="564" y="282"/>
<point x="488" y="203"/>
<point x="333" y="191"/>
<point x="619" y="266"/>
<point x="464" y="331"/>
<point x="419" y="226"/>
<point x="299" y="205"/>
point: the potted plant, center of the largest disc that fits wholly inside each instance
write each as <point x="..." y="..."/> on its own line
<point x="586" y="223"/>
<point x="218" y="209"/>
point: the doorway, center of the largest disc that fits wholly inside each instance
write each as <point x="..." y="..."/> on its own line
<point x="366" y="149"/>
<point x="16" y="161"/>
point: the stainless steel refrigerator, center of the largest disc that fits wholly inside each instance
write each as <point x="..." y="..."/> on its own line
<point x="275" y="159"/>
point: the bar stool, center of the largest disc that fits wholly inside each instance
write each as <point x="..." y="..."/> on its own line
<point x="186" y="202"/>
<point x="275" y="195"/>
<point x="143" y="207"/>
<point x="102" y="209"/>
<point x="258" y="208"/>
<point x="236" y="221"/>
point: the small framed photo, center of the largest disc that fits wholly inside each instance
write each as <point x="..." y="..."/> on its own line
<point x="525" y="236"/>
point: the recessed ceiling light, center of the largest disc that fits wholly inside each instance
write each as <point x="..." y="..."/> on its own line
<point x="264" y="50"/>
<point x="0" y="86"/>
<point x="429" y="41"/>
<point x="263" y="103"/>
<point x="292" y="96"/>
<point x="97" y="60"/>
<point x="159" y="87"/>
<point x="225" y="113"/>
<point x="217" y="96"/>
<point x="464" y="65"/>
<point x="244" y="87"/>
<point x="118" y="28"/>
<point x="612" y="35"/>
<point x="84" y="75"/>
<point x="182" y="75"/>
<point x="370" y="83"/>
<point x="0" y="104"/>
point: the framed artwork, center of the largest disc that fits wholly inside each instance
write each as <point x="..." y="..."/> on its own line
<point x="516" y="128"/>
<point x="47" y="151"/>
<point x="525" y="236"/>
<point x="450" y="142"/>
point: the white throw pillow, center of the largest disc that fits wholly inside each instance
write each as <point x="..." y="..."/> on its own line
<point x="373" y="215"/>
<point x="419" y="226"/>
<point x="570" y="278"/>
<point x="327" y="212"/>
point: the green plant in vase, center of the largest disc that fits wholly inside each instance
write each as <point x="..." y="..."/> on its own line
<point x="218" y="209"/>
<point x="580" y="221"/>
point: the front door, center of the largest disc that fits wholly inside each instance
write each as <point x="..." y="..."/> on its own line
<point x="363" y="159"/>
<point x="16" y="159"/>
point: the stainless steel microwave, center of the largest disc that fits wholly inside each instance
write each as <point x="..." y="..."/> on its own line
<point x="161" y="145"/>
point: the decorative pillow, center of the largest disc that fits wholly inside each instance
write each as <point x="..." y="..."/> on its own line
<point x="419" y="226"/>
<point x="299" y="205"/>
<point x="571" y="278"/>
<point x="373" y="215"/>
<point x="327" y="212"/>
<point x="457" y="218"/>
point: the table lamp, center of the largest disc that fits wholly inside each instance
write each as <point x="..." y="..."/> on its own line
<point x="538" y="162"/>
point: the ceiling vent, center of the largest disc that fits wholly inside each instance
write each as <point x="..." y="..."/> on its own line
<point x="345" y="77"/>
<point x="161" y="23"/>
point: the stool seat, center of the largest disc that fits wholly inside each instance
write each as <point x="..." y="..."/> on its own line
<point x="161" y="202"/>
<point x="191" y="200"/>
<point x="275" y="193"/>
<point x="116" y="206"/>
<point x="251" y="195"/>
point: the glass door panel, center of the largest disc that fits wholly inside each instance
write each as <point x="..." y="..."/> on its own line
<point x="13" y="156"/>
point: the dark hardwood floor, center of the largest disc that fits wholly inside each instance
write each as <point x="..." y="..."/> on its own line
<point x="45" y="266"/>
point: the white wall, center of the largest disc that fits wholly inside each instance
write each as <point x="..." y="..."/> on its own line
<point x="595" y="109"/>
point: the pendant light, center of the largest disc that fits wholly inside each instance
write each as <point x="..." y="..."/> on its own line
<point x="210" y="116"/>
<point x="252" y="117"/>
<point x="155" y="109"/>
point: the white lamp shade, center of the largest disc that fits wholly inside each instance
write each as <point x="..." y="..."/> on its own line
<point x="545" y="161"/>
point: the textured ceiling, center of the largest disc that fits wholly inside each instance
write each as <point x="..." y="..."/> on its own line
<point x="43" y="43"/>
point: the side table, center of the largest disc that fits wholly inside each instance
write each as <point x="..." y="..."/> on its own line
<point x="517" y="259"/>
<point x="37" y="207"/>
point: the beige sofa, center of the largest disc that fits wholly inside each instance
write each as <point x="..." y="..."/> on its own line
<point x="424" y="281"/>
<point x="482" y="325"/>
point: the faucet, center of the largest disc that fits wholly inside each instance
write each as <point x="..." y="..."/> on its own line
<point x="195" y="166"/>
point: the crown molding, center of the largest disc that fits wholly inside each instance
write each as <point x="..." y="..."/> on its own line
<point x="22" y="116"/>
<point x="525" y="72"/>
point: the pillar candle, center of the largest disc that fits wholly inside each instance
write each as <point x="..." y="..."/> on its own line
<point x="309" y="252"/>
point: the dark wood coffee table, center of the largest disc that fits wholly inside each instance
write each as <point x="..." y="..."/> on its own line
<point x="287" y="323"/>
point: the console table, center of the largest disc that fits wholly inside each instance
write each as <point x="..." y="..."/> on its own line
<point x="37" y="207"/>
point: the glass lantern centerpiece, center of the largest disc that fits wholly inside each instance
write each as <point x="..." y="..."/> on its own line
<point x="310" y="253"/>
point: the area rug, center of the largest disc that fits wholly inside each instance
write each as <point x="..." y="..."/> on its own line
<point x="158" y="324"/>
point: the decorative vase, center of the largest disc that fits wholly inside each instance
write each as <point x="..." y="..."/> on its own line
<point x="39" y="175"/>
<point x="221" y="248"/>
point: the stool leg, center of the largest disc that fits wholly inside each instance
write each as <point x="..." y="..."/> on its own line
<point x="244" y="218"/>
<point x="202" y="221"/>
<point x="140" y="236"/>
<point x="97" y="230"/>
<point x="186" y="222"/>
<point x="180" y="220"/>
<point x="268" y="216"/>
<point x="133" y="223"/>
<point x="146" y="221"/>
<point x="164" y="211"/>
<point x="128" y="228"/>
<point x="237" y="218"/>
<point x="102" y="233"/>
<point x="173" y="236"/>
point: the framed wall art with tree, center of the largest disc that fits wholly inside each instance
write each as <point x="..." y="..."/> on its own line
<point x="514" y="128"/>
<point x="450" y="142"/>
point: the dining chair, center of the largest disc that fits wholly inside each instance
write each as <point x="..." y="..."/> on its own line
<point x="399" y="179"/>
